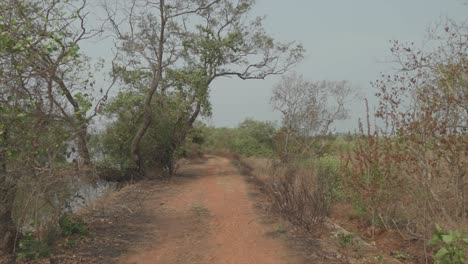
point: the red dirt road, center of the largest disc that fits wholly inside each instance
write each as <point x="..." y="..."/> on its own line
<point x="210" y="219"/>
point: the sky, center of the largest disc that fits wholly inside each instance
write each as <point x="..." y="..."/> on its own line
<point x="344" y="40"/>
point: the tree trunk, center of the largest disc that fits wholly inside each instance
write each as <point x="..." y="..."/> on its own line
<point x="462" y="195"/>
<point x="148" y="111"/>
<point x="7" y="226"/>
<point x="7" y="233"/>
<point x="77" y="122"/>
<point x="135" y="147"/>
<point x="3" y="147"/>
<point x="179" y="136"/>
<point x="83" y="149"/>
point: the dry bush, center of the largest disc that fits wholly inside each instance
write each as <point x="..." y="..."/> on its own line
<point x="260" y="168"/>
<point x="42" y="199"/>
<point x="411" y="174"/>
<point x="405" y="183"/>
<point x="300" y="194"/>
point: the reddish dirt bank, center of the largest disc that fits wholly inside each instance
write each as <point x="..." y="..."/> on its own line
<point x="209" y="220"/>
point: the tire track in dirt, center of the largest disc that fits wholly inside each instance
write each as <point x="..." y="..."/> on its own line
<point x="209" y="219"/>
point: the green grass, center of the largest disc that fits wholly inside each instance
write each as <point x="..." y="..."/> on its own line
<point x="200" y="210"/>
<point x="72" y="227"/>
<point x="30" y="248"/>
<point x="345" y="239"/>
<point x="280" y="229"/>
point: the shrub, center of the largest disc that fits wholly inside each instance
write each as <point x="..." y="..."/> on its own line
<point x="449" y="246"/>
<point x="250" y="139"/>
<point x="345" y="239"/>
<point x="328" y="169"/>
<point x="30" y="248"/>
<point x="72" y="227"/>
<point x="163" y="143"/>
<point x="301" y="194"/>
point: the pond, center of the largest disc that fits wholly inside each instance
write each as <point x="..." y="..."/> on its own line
<point x="40" y="202"/>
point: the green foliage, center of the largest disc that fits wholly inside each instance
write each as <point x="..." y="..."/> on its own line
<point x="42" y="142"/>
<point x="112" y="147"/>
<point x="359" y="207"/>
<point x="30" y="248"/>
<point x="328" y="170"/>
<point x="72" y="227"/>
<point x="250" y="138"/>
<point x="450" y="246"/>
<point x="379" y="258"/>
<point x="164" y="141"/>
<point x="193" y="145"/>
<point x="345" y="239"/>
<point x="400" y="255"/>
<point x="280" y="229"/>
<point x="84" y="103"/>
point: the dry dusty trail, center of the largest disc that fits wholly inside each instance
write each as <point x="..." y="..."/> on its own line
<point x="207" y="219"/>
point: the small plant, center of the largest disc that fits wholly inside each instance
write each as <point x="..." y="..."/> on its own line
<point x="72" y="227"/>
<point x="30" y="248"/>
<point x="379" y="258"/>
<point x="70" y="243"/>
<point x="359" y="209"/>
<point x="449" y="246"/>
<point x="345" y="239"/>
<point x="200" y="210"/>
<point x="400" y="255"/>
<point x="280" y="229"/>
<point x="236" y="163"/>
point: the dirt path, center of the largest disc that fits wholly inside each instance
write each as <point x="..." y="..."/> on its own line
<point x="208" y="213"/>
<point x="210" y="219"/>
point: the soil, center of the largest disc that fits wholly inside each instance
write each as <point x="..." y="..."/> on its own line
<point x="391" y="242"/>
<point x="209" y="213"/>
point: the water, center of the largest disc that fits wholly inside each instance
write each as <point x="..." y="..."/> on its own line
<point x="88" y="193"/>
<point x="39" y="203"/>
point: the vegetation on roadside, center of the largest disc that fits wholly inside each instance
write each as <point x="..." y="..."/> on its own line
<point x="406" y="172"/>
<point x="70" y="226"/>
<point x="412" y="174"/>
<point x="449" y="246"/>
<point x="249" y="139"/>
<point x="30" y="248"/>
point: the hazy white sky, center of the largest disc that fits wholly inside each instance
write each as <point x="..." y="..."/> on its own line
<point x="345" y="40"/>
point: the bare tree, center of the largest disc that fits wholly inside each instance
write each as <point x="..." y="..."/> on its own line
<point x="308" y="110"/>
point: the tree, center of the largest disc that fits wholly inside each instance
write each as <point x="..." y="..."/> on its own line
<point x="43" y="103"/>
<point x="261" y="132"/>
<point x="162" y="140"/>
<point x="308" y="110"/>
<point x="48" y="66"/>
<point x="195" y="42"/>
